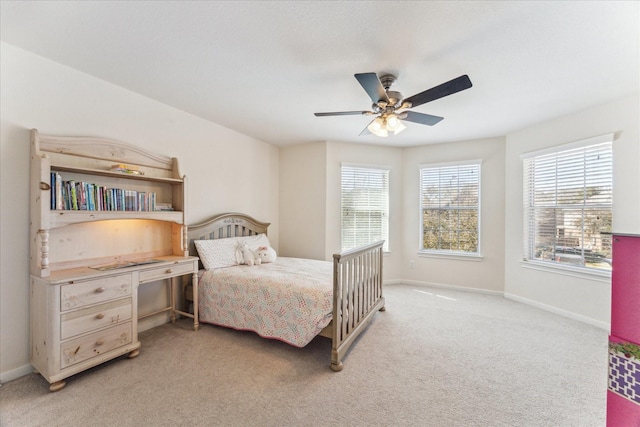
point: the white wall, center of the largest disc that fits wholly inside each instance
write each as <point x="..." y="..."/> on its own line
<point x="578" y="297"/>
<point x="486" y="274"/>
<point x="302" y="200"/>
<point x="226" y="171"/>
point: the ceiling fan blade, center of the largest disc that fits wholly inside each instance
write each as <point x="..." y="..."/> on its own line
<point x="371" y="84"/>
<point x="343" y="113"/>
<point x="423" y="119"/>
<point x="365" y="131"/>
<point x="449" y="88"/>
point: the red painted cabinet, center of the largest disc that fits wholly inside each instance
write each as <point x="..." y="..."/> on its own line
<point x="623" y="394"/>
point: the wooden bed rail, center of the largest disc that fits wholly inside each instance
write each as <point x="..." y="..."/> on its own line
<point x="357" y="289"/>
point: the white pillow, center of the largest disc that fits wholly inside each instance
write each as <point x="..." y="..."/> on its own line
<point x="254" y="242"/>
<point x="220" y="253"/>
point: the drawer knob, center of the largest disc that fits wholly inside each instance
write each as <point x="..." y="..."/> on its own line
<point x="169" y="271"/>
<point x="100" y="290"/>
<point x="100" y="316"/>
<point x="99" y="342"/>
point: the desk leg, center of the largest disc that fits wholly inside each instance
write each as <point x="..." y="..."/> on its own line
<point x="172" y="298"/>
<point x="194" y="283"/>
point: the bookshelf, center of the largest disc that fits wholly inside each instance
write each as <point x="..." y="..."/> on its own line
<point x="105" y="218"/>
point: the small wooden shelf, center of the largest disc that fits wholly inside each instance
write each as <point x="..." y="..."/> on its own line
<point x="63" y="218"/>
<point x="118" y="175"/>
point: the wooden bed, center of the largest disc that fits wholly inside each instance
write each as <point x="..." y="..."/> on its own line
<point x="357" y="280"/>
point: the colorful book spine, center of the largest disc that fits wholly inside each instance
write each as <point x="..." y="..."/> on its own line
<point x="59" y="196"/>
<point x="52" y="190"/>
<point x="74" y="195"/>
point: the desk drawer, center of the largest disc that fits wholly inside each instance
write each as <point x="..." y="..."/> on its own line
<point x="92" y="318"/>
<point x="81" y="349"/>
<point x="165" y="272"/>
<point x="79" y="294"/>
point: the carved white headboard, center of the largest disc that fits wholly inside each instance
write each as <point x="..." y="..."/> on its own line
<point x="232" y="224"/>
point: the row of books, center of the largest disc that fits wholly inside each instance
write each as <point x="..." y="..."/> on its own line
<point x="84" y="196"/>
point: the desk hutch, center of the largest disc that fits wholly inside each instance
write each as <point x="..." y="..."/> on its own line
<point x="106" y="217"/>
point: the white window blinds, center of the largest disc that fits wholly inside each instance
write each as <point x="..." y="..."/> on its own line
<point x="568" y="204"/>
<point x="365" y="206"/>
<point x="450" y="204"/>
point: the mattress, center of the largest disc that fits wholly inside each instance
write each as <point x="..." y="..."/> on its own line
<point x="290" y="299"/>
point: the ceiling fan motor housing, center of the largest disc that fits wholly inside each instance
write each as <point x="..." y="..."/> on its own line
<point x="395" y="98"/>
<point x="387" y="80"/>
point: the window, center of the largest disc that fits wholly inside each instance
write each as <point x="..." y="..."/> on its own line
<point x="568" y="204"/>
<point x="450" y="206"/>
<point x="365" y="206"/>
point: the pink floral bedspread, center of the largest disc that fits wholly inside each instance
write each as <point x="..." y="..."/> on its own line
<point x="290" y="299"/>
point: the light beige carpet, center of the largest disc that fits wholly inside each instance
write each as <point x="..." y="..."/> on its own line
<point x="435" y="357"/>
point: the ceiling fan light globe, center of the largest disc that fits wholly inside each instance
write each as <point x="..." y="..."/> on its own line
<point x="376" y="125"/>
<point x="399" y="128"/>
<point x="392" y="122"/>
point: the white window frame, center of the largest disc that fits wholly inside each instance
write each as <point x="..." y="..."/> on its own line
<point x="580" y="150"/>
<point x="446" y="253"/>
<point x="348" y="242"/>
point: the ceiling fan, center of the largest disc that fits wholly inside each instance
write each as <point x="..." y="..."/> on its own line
<point x="390" y="108"/>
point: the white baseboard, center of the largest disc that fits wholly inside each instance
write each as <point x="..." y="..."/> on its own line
<point x="452" y="287"/>
<point x="5" y="377"/>
<point x="152" y="322"/>
<point x="564" y="313"/>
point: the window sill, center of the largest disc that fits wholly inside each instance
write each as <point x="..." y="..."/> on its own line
<point x="456" y="256"/>
<point x="581" y="273"/>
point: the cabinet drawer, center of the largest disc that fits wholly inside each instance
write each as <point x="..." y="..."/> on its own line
<point x="79" y="294"/>
<point x="92" y="318"/>
<point x="165" y="272"/>
<point x="81" y="349"/>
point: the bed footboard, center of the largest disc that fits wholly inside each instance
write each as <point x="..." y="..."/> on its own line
<point x="357" y="296"/>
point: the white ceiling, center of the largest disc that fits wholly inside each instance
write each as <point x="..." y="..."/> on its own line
<point x="264" y="67"/>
